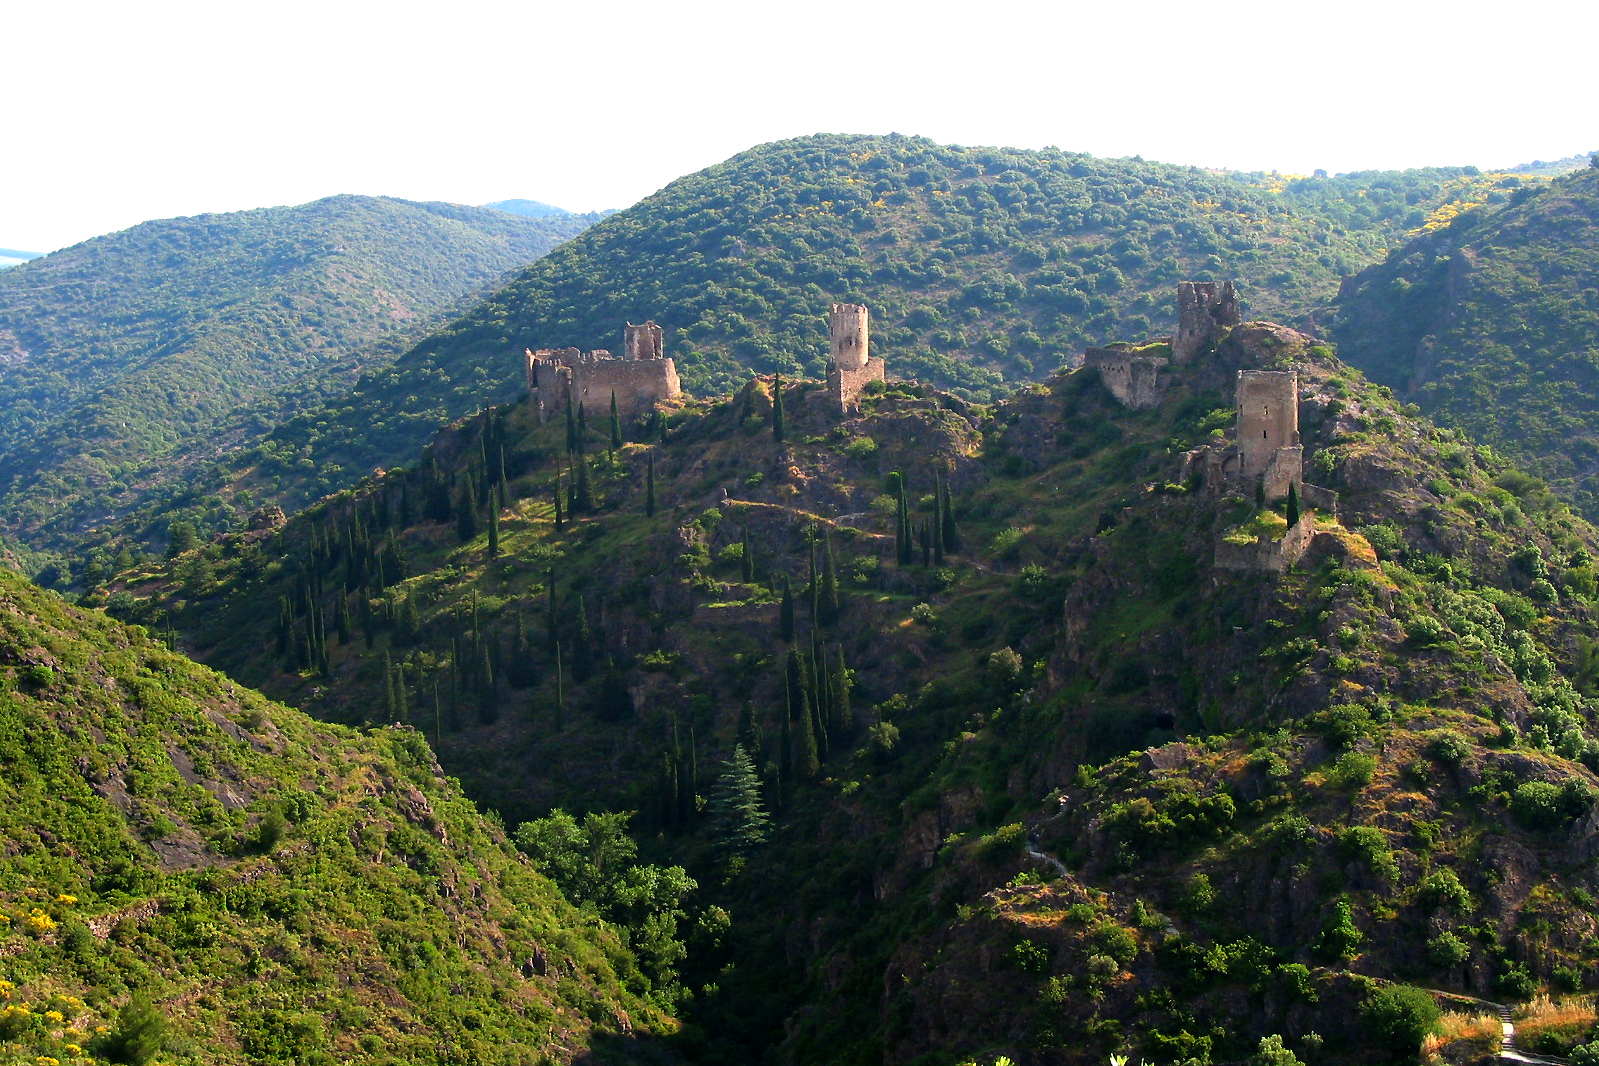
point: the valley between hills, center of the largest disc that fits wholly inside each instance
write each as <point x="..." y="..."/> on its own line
<point x="993" y="697"/>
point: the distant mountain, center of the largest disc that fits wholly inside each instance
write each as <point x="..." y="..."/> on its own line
<point x="11" y="257"/>
<point x="1555" y="167"/>
<point x="1491" y="323"/>
<point x="982" y="266"/>
<point x="129" y="358"/>
<point x="529" y="208"/>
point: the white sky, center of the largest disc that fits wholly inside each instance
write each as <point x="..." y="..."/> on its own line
<point x="114" y="113"/>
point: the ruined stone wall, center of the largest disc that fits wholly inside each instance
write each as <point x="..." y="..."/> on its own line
<point x="643" y="342"/>
<point x="1268" y="416"/>
<point x="638" y="385"/>
<point x="848" y="328"/>
<point x="845" y="386"/>
<point x="1135" y="380"/>
<point x="1274" y="555"/>
<point x="1286" y="467"/>
<point x="1204" y="310"/>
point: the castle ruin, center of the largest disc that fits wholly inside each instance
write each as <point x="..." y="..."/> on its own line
<point x="850" y="365"/>
<point x="1205" y="311"/>
<point x="1132" y="375"/>
<point x="559" y="378"/>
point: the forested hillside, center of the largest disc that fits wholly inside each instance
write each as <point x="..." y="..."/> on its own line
<point x="1491" y="323"/>
<point x="936" y="631"/>
<point x="983" y="267"/>
<point x="128" y="359"/>
<point x="192" y="874"/>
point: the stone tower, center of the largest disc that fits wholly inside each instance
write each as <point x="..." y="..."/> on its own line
<point x="851" y="365"/>
<point x="1204" y="310"/>
<point x="642" y="342"/>
<point x="847" y="325"/>
<point x="1268" y="428"/>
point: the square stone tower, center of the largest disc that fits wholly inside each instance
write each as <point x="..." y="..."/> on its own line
<point x="850" y="365"/>
<point x="643" y="342"/>
<point x="1268" y="428"/>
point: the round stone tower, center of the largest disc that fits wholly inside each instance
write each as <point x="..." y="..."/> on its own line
<point x="847" y="324"/>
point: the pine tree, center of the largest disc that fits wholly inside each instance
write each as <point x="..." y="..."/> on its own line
<point x="738" y="822"/>
<point x="649" y="487"/>
<point x="778" y="428"/>
<point x="616" y="425"/>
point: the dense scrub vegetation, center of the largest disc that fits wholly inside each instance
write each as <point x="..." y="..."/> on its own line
<point x="193" y="874"/>
<point x="982" y="266"/>
<point x="129" y="358"/>
<point x="939" y="629"/>
<point x="1491" y="324"/>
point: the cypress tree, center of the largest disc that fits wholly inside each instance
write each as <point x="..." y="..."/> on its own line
<point x="807" y="763"/>
<point x="927" y="545"/>
<point x="488" y="708"/>
<point x="391" y="698"/>
<point x="466" y="513"/>
<point x="504" y="482"/>
<point x="778" y="428"/>
<point x="582" y="428"/>
<point x="840" y="702"/>
<point x="616" y="425"/>
<point x="571" y="427"/>
<point x="558" y="521"/>
<point x="560" y="689"/>
<point x="494" y="528"/>
<point x="785" y="613"/>
<point x="902" y="531"/>
<point x="746" y="567"/>
<point x="341" y="621"/>
<point x="794" y="685"/>
<point x="668" y="789"/>
<point x="1293" y="504"/>
<point x="688" y="782"/>
<point x="749" y="731"/>
<point x="551" y="633"/>
<point x="583" y="653"/>
<point x="813" y="587"/>
<point x="649" y="487"/>
<point x="829" y="602"/>
<point x="952" y="536"/>
<point x="785" y="759"/>
<point x="438" y="716"/>
<point x="583" y="490"/>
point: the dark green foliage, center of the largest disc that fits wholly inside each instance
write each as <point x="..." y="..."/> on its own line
<point x="1292" y="513"/>
<point x="1398" y="1018"/>
<point x="1340" y="938"/>
<point x="738" y="823"/>
<point x="1543" y="805"/>
<point x="138" y="1036"/>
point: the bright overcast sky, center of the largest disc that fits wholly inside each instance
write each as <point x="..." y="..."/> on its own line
<point x="117" y="113"/>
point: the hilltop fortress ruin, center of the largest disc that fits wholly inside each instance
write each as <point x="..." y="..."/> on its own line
<point x="1264" y="459"/>
<point x="560" y="378"/>
<point x="850" y="364"/>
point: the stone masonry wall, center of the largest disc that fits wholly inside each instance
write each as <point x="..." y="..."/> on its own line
<point x="1268" y="416"/>
<point x="1204" y="310"/>
<point x="1134" y="380"/>
<point x="1275" y="555"/>
<point x="845" y="385"/>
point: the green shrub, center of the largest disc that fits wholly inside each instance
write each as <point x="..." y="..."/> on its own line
<point x="1343" y="724"/>
<point x="1446" y="950"/>
<point x="1544" y="805"/>
<point x="1442" y="889"/>
<point x="1004" y="843"/>
<point x="137" y="1037"/>
<point x="1368" y="844"/>
<point x="1448" y="746"/>
<point x="1398" y="1018"/>
<point x="1272" y="1053"/>
<point x="1340" y="939"/>
<point x="38" y="676"/>
<point x="1353" y="769"/>
<point x="1029" y="957"/>
<point x="1298" y="981"/>
<point x="1117" y="942"/>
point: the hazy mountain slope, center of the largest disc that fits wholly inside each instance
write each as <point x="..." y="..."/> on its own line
<point x="129" y="358"/>
<point x="1402" y="723"/>
<point x="530" y="208"/>
<point x="1492" y="324"/>
<point x="982" y="266"/>
<point x="280" y="890"/>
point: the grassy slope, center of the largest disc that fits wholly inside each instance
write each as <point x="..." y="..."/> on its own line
<point x="1473" y="613"/>
<point x="132" y="357"/>
<point x="388" y="919"/>
<point x="983" y="267"/>
<point x="1492" y="325"/>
